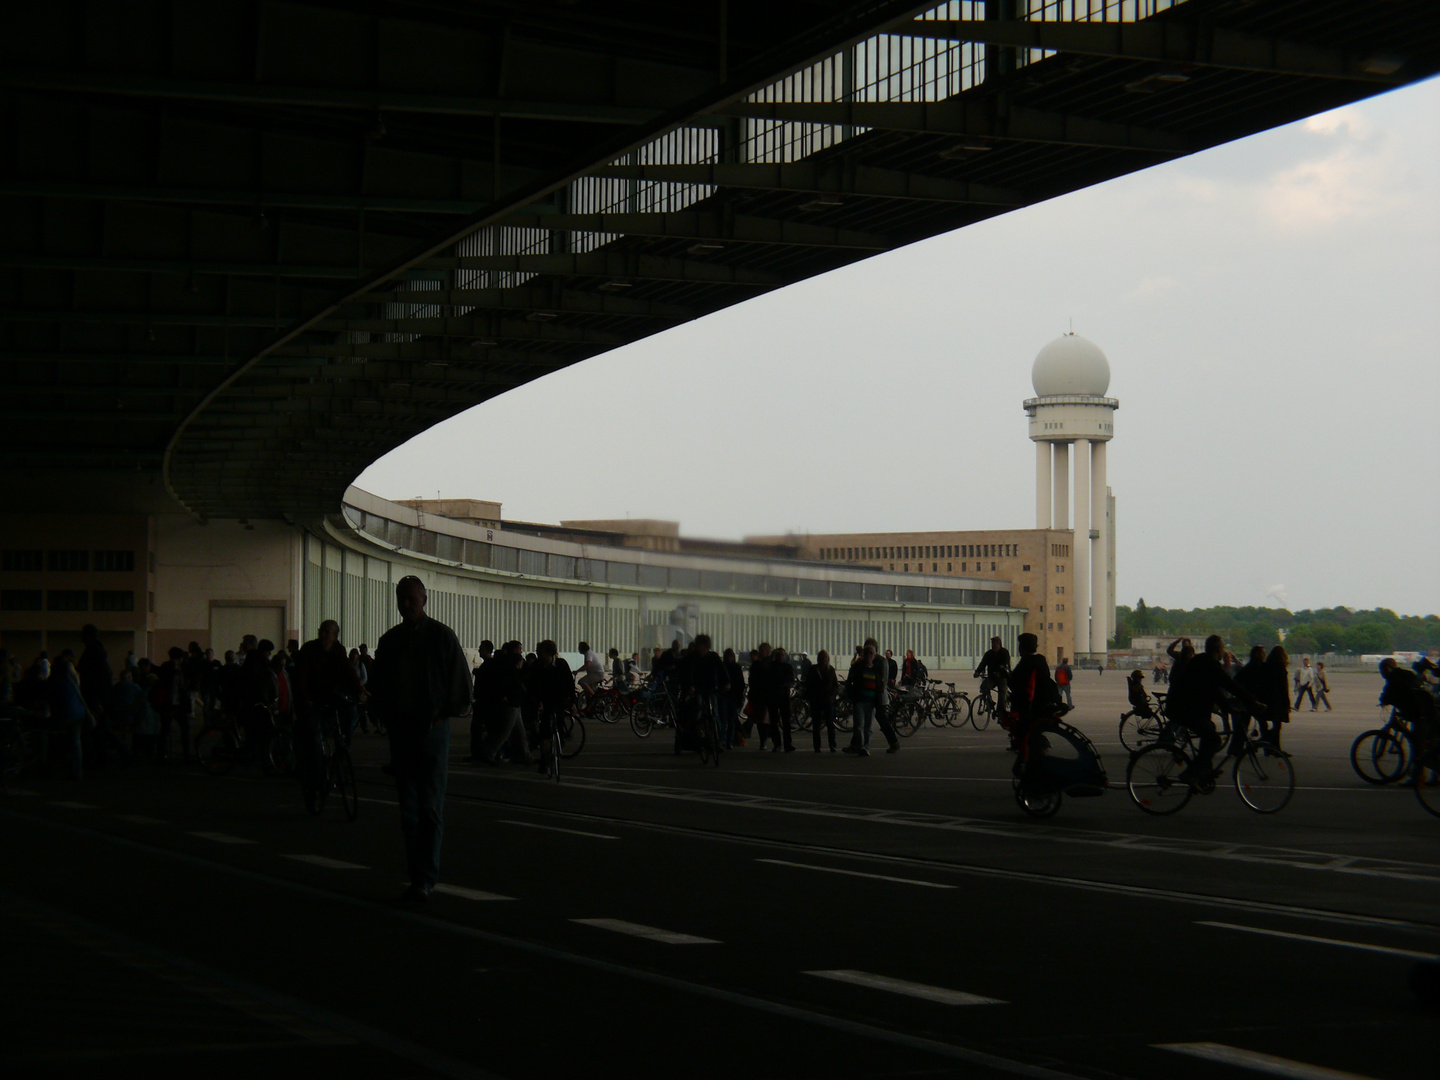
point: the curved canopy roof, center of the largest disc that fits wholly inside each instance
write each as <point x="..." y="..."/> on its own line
<point x="258" y="244"/>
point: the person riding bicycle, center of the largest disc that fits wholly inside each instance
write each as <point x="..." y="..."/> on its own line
<point x="1406" y="693"/>
<point x="993" y="668"/>
<point x="1034" y="699"/>
<point x="1195" y="689"/>
<point x="551" y="684"/>
<point x="324" y="679"/>
<point x="592" y="670"/>
<point x="702" y="674"/>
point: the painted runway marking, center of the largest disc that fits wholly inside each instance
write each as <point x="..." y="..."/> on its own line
<point x="1362" y="946"/>
<point x="1252" y="854"/>
<point x="1265" y="1063"/>
<point x="321" y="860"/>
<point x="651" y="933"/>
<point x="223" y="838"/>
<point x="909" y="989"/>
<point x="469" y="894"/>
<point x="141" y="819"/>
<point x="555" y="828"/>
<point x="73" y="805"/>
<point x="857" y="873"/>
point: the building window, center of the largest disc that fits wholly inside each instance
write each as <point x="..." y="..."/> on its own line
<point x="992" y="566"/>
<point x="68" y="600"/>
<point x="1062" y="626"/>
<point x="62" y="561"/>
<point x="1025" y="588"/>
<point x="119" y="561"/>
<point x="907" y="568"/>
<point x="17" y="560"/>
<point x="114" y="600"/>
<point x="934" y="568"/>
<point x="949" y="568"/>
<point x="19" y="599"/>
<point x="1052" y="626"/>
<point x="892" y="566"/>
<point x="1025" y="567"/>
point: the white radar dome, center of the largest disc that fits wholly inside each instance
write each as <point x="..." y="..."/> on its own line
<point x="1071" y="364"/>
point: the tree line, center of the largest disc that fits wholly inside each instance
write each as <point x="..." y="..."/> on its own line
<point x="1327" y="630"/>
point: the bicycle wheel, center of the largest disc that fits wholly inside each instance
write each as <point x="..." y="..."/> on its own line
<point x="1381" y="756"/>
<point x="282" y="753"/>
<point x="844" y="716"/>
<point x="345" y="782"/>
<point x="1427" y="780"/>
<point x="611" y="711"/>
<point x="1040" y="804"/>
<point x="964" y="707"/>
<point x="572" y="735"/>
<point x="216" y="750"/>
<point x="555" y="748"/>
<point x="1138" y="732"/>
<point x="981" y="712"/>
<point x="712" y="729"/>
<point x="1264" y="778"/>
<point x="800" y="714"/>
<point x="1151" y="779"/>
<point x="641" y="722"/>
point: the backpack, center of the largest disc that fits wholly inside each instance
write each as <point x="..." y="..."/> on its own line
<point x="1063" y="676"/>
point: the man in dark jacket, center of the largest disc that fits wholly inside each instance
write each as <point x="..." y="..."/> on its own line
<point x="1194" y="691"/>
<point x="419" y="682"/>
<point x="552" y="684"/>
<point x="484" y="709"/>
<point x="992" y="670"/>
<point x="324" y="680"/>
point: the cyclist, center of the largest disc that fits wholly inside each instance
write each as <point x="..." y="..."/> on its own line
<point x="1194" y="691"/>
<point x="702" y="673"/>
<point x="553" y="686"/>
<point x="592" y="671"/>
<point x="992" y="670"/>
<point x="1140" y="703"/>
<point x="323" y="679"/>
<point x="1034" y="697"/>
<point x="1405" y="691"/>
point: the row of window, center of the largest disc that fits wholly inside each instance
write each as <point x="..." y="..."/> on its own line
<point x="1061" y="551"/>
<point x="67" y="600"/>
<point x="921" y="551"/>
<point x="28" y="560"/>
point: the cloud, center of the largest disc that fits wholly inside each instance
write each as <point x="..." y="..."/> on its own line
<point x="1278" y="594"/>
<point x="1354" y="179"/>
<point x="1150" y="288"/>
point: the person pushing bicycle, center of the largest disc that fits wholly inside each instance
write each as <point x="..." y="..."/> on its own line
<point x="324" y="680"/>
<point x="1195" y="688"/>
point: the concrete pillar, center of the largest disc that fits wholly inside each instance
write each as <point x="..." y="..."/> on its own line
<point x="1099" y="552"/>
<point x="1061" y="484"/>
<point x="1042" y="485"/>
<point x="1077" y="606"/>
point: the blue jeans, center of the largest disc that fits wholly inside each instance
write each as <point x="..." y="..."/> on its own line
<point x="729" y="720"/>
<point x="865" y="713"/>
<point x="309" y="751"/>
<point x="421" y="764"/>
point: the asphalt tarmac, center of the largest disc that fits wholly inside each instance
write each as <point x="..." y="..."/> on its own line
<point x="781" y="915"/>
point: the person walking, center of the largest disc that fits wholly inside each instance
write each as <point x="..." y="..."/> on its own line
<point x="481" y="713"/>
<point x="731" y="701"/>
<point x="1064" y="676"/>
<point x="868" y="682"/>
<point x="1322" y="686"/>
<point x="1304" y="685"/>
<point x="1275" y="695"/>
<point x="782" y="681"/>
<point x="821" y="683"/>
<point x="419" y="683"/>
<point x="759" y="689"/>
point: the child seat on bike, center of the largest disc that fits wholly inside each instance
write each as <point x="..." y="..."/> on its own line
<point x="1062" y="758"/>
<point x="1140" y="704"/>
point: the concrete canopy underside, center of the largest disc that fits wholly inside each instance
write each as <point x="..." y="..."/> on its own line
<point x="256" y="245"/>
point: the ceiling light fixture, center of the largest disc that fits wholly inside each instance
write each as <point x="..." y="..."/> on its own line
<point x="704" y="248"/>
<point x="1157" y="81"/>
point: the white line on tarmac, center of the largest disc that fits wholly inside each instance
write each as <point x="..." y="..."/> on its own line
<point x="555" y="828"/>
<point x="856" y="873"/>
<point x="1265" y="1063"/>
<point x="909" y="989"/>
<point x="1362" y="946"/>
<point x="330" y="864"/>
<point x="73" y="805"/>
<point x="141" y="819"/>
<point x="223" y="838"/>
<point x="669" y="937"/>
<point x="469" y="894"/>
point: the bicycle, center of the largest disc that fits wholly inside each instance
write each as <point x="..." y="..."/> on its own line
<point x="707" y="732"/>
<point x="1428" y="791"/>
<point x="1138" y="731"/>
<point x="1263" y="775"/>
<point x="338" y="770"/>
<point x="22" y="747"/>
<point x="1064" y="762"/>
<point x="223" y="744"/>
<point x="1383" y="755"/>
<point x="988" y="704"/>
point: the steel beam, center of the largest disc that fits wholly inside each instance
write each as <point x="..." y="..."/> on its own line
<point x="611" y="264"/>
<point x="828" y="177"/>
<point x="181" y="268"/>
<point x="255" y="200"/>
<point x="317" y="97"/>
<point x="980" y="116"/>
<point x="1171" y="41"/>
<point x="461" y="326"/>
<point x="702" y="225"/>
<point x="537" y="298"/>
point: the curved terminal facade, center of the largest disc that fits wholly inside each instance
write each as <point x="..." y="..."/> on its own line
<point x="498" y="583"/>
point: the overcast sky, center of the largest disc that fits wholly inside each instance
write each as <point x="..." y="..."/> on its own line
<point x="1269" y="309"/>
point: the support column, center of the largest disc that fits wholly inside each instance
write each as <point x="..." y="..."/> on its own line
<point x="1061" y="483"/>
<point x="1077" y="604"/>
<point x="1042" y="485"/>
<point x="1099" y="553"/>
